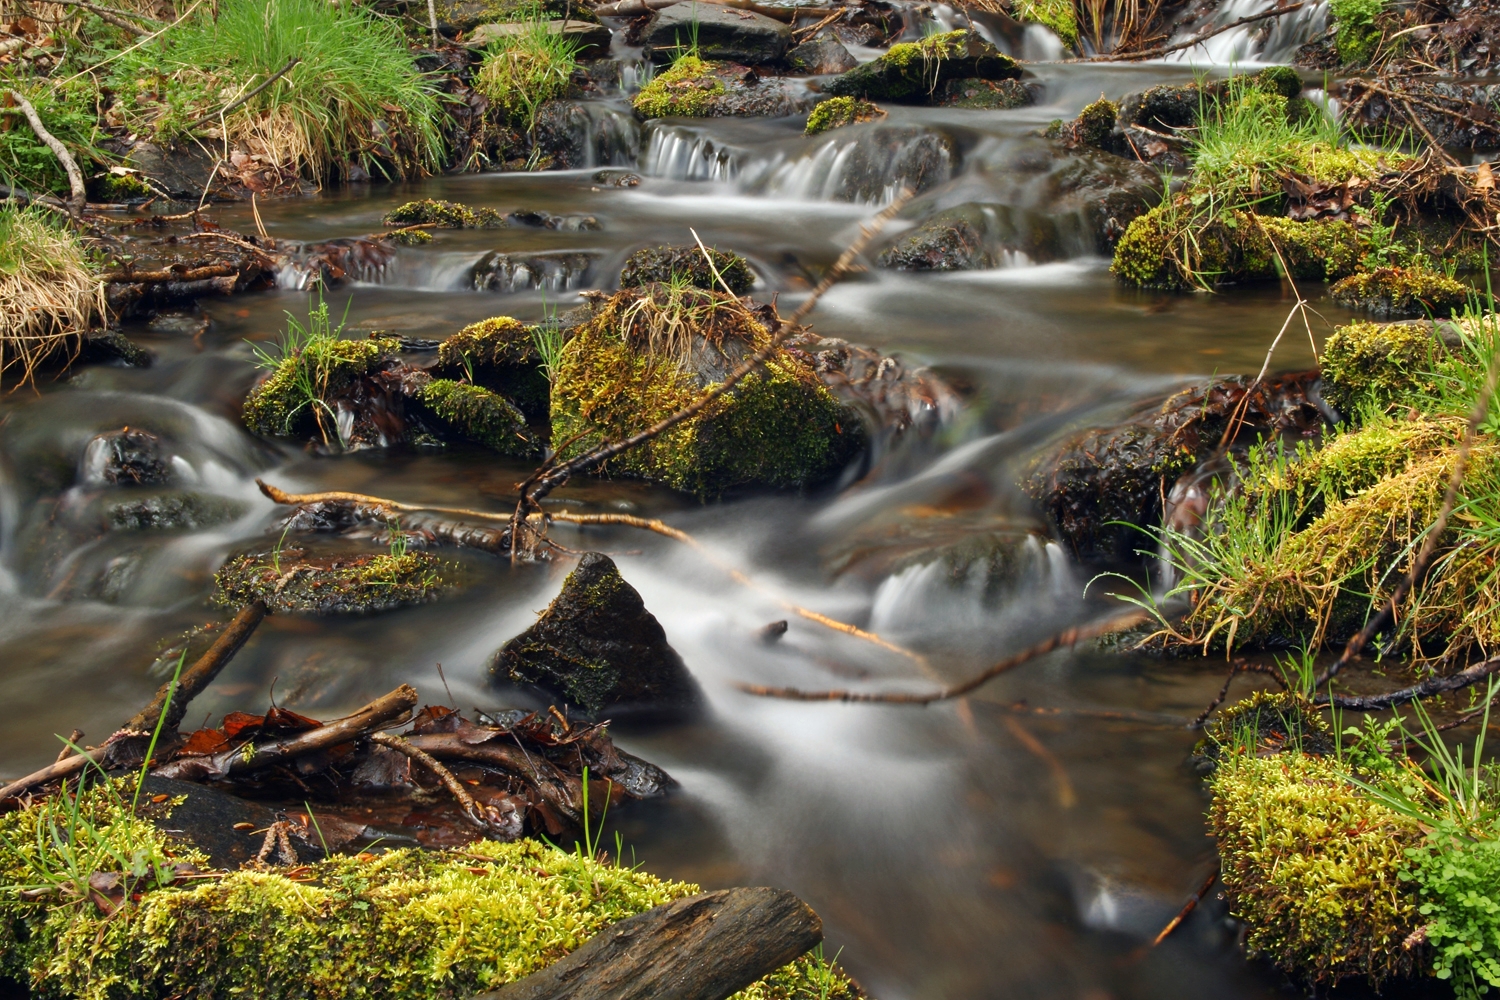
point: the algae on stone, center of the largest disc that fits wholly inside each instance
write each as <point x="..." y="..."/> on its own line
<point x="648" y="352"/>
<point x="484" y="417"/>
<point x="443" y="214"/>
<point x="685" y="90"/>
<point x="291" y="402"/>
<point x="499" y="353"/>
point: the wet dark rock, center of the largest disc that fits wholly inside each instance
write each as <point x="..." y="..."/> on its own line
<point x="986" y="95"/>
<point x="531" y="219"/>
<point x="617" y="178"/>
<point x="821" y="56"/>
<point x="569" y="139"/>
<point x="443" y="214"/>
<point x="182" y="172"/>
<point x="471" y="412"/>
<point x="112" y="347"/>
<point x="952" y="240"/>
<point x="207" y="818"/>
<point x="663" y="264"/>
<point x="591" y="38"/>
<point x="888" y="157"/>
<point x="720" y="33"/>
<point x="126" y="457"/>
<point x="1108" y="192"/>
<point x="466" y="15"/>
<point x="515" y="272"/>
<point x="912" y="72"/>
<point x="292" y="580"/>
<point x="174" y="512"/>
<point x="1394" y="292"/>
<point x="695" y="88"/>
<point x="893" y="399"/>
<point x="331" y="262"/>
<point x="596" y="647"/>
<point x="1100" y="485"/>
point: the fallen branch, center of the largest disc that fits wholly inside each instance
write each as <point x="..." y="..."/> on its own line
<point x="1429" y="543"/>
<point x="455" y="788"/>
<point x="188" y="686"/>
<point x="1187" y="908"/>
<point x="1067" y="637"/>
<point x="110" y="16"/>
<point x="1431" y="686"/>
<point x="547" y="478"/>
<point x="75" y="176"/>
<point x="557" y="788"/>
<point x="236" y="105"/>
<point x="635" y="8"/>
<point x="169" y="274"/>
<point x="1197" y="39"/>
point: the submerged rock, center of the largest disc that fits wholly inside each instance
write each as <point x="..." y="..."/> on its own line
<point x="645" y="353"/>
<point x="952" y="240"/>
<point x="126" y="457"/>
<point x="174" y="512"/>
<point x="887" y="157"/>
<point x="912" y="71"/>
<point x="596" y="647"/>
<point x="290" y="580"/>
<point x="516" y="272"/>
<point x="716" y="32"/>
<point x="570" y="139"/>
<point x="443" y="214"/>
<point x="665" y="264"/>
<point x="986" y="95"/>
<point x="1391" y="292"/>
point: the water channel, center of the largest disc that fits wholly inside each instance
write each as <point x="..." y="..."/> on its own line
<point x="949" y="856"/>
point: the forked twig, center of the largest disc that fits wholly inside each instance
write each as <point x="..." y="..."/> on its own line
<point x="75" y="176"/>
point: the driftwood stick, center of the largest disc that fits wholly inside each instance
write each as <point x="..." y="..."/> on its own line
<point x="75" y="176"/>
<point x="1418" y="571"/>
<point x="1425" y="689"/>
<point x="706" y="947"/>
<point x="557" y="788"/>
<point x="1067" y="637"/>
<point x="1197" y="39"/>
<point x="167" y="274"/>
<point x="189" y="685"/>
<point x="1187" y="908"/>
<point x="455" y="787"/>
<point x="382" y="712"/>
<point x="236" y="105"/>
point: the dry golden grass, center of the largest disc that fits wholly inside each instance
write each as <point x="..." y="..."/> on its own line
<point x="48" y="295"/>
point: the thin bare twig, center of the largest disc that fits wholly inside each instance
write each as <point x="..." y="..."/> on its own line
<point x="455" y="788"/>
<point x="1187" y="908"/>
<point x="1425" y="689"/>
<point x="1197" y="39"/>
<point x="75" y="176"/>
<point x="236" y="105"/>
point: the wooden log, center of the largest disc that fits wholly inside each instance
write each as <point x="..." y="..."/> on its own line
<point x="706" y="947"/>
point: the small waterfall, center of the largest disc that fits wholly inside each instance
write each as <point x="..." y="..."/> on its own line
<point x="1274" y="40"/>
<point x="861" y="164"/>
<point x="964" y="596"/>
<point x="678" y="153"/>
<point x="514" y="272"/>
<point x="613" y="136"/>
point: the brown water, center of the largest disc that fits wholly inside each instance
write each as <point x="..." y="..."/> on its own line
<point x="948" y="857"/>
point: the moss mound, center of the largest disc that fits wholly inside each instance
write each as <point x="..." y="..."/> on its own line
<point x="1389" y="292"/>
<point x="1313" y="866"/>
<point x="669" y="265"/>
<point x="499" y="353"/>
<point x="403" y="924"/>
<point x="1371" y="364"/>
<point x="289" y="580"/>
<point x="685" y="90"/>
<point x="647" y="353"/>
<point x="287" y="403"/>
<point x="1095" y="122"/>
<point x="836" y="112"/>
<point x="913" y="71"/>
<point x="482" y="416"/>
<point x="443" y="214"/>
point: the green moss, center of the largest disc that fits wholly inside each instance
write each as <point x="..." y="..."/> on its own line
<point x="837" y="112"/>
<point x="443" y="214"/>
<point x="779" y="427"/>
<point x="1401" y="291"/>
<point x="284" y="404"/>
<point x="288" y="581"/>
<point x="1281" y="80"/>
<point x="1312" y="866"/>
<point x="480" y="415"/>
<point x="1055" y="14"/>
<point x="409" y="237"/>
<point x="685" y="90"/>
<point x="500" y="353"/>
<point x="1095" y="122"/>
<point x="1369" y="364"/>
<point x="666" y="265"/>
<point x="914" y="70"/>
<point x="125" y="185"/>
<point x="1356" y="34"/>
<point x="407" y="924"/>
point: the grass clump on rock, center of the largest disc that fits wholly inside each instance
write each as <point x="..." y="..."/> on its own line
<point x="48" y="293"/>
<point x="913" y="71"/>
<point x="312" y="367"/>
<point x="443" y="214"/>
<point x="687" y="264"/>
<point x="523" y="70"/>
<point x="836" y="112"/>
<point x="503" y="354"/>
<point x="648" y="352"/>
<point x="685" y="90"/>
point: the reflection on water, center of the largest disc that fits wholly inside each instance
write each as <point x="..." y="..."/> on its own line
<point x="971" y="849"/>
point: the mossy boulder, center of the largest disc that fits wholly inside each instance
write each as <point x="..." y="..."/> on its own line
<point x="1376" y="364"/>
<point x="836" y="112"/>
<point x="647" y="353"/>
<point x="444" y="215"/>
<point x="596" y="648"/>
<point x="294" y="581"/>
<point x="477" y="414"/>
<point x="716" y="32"/>
<point x="1094" y="123"/>
<point x="952" y="240"/>
<point x="499" y="353"/>
<point x="911" y="72"/>
<point x="668" y="264"/>
<point x="686" y="90"/>
<point x="1312" y="866"/>
<point x="282" y="406"/>
<point x="986" y="95"/>
<point x="1392" y="292"/>
<point x="130" y="456"/>
<point x="403" y="924"/>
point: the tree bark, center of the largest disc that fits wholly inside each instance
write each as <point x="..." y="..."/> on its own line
<point x="706" y="947"/>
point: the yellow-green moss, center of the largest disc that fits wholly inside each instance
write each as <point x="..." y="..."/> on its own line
<point x="1095" y="122"/>
<point x="914" y="70"/>
<point x="1373" y="364"/>
<point x="1401" y="291"/>
<point x="685" y="90"/>
<point x="837" y="112"/>
<point x="499" y="353"/>
<point x="443" y="214"/>
<point x="779" y="427"/>
<point x="480" y="415"/>
<point x="1055" y="14"/>
<point x="1311" y="865"/>
<point x="404" y="924"/>
<point x="286" y="580"/>
<point x="282" y="405"/>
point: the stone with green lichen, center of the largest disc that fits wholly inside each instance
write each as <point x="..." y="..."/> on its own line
<point x="284" y="404"/>
<point x="499" y="353"/>
<point x="406" y="923"/>
<point x="478" y="414"/>
<point x="290" y="580"/>
<point x="913" y="71"/>
<point x="685" y="90"/>
<point x="1391" y="292"/>
<point x="1372" y="364"/>
<point x="443" y="214"/>
<point x="779" y="427"/>
<point x="666" y="264"/>
<point x="598" y="649"/>
<point x="837" y="112"/>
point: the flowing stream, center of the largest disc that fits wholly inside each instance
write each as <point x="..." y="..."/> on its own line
<point x="962" y="850"/>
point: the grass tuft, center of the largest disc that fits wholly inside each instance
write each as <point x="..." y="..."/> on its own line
<point x="48" y="294"/>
